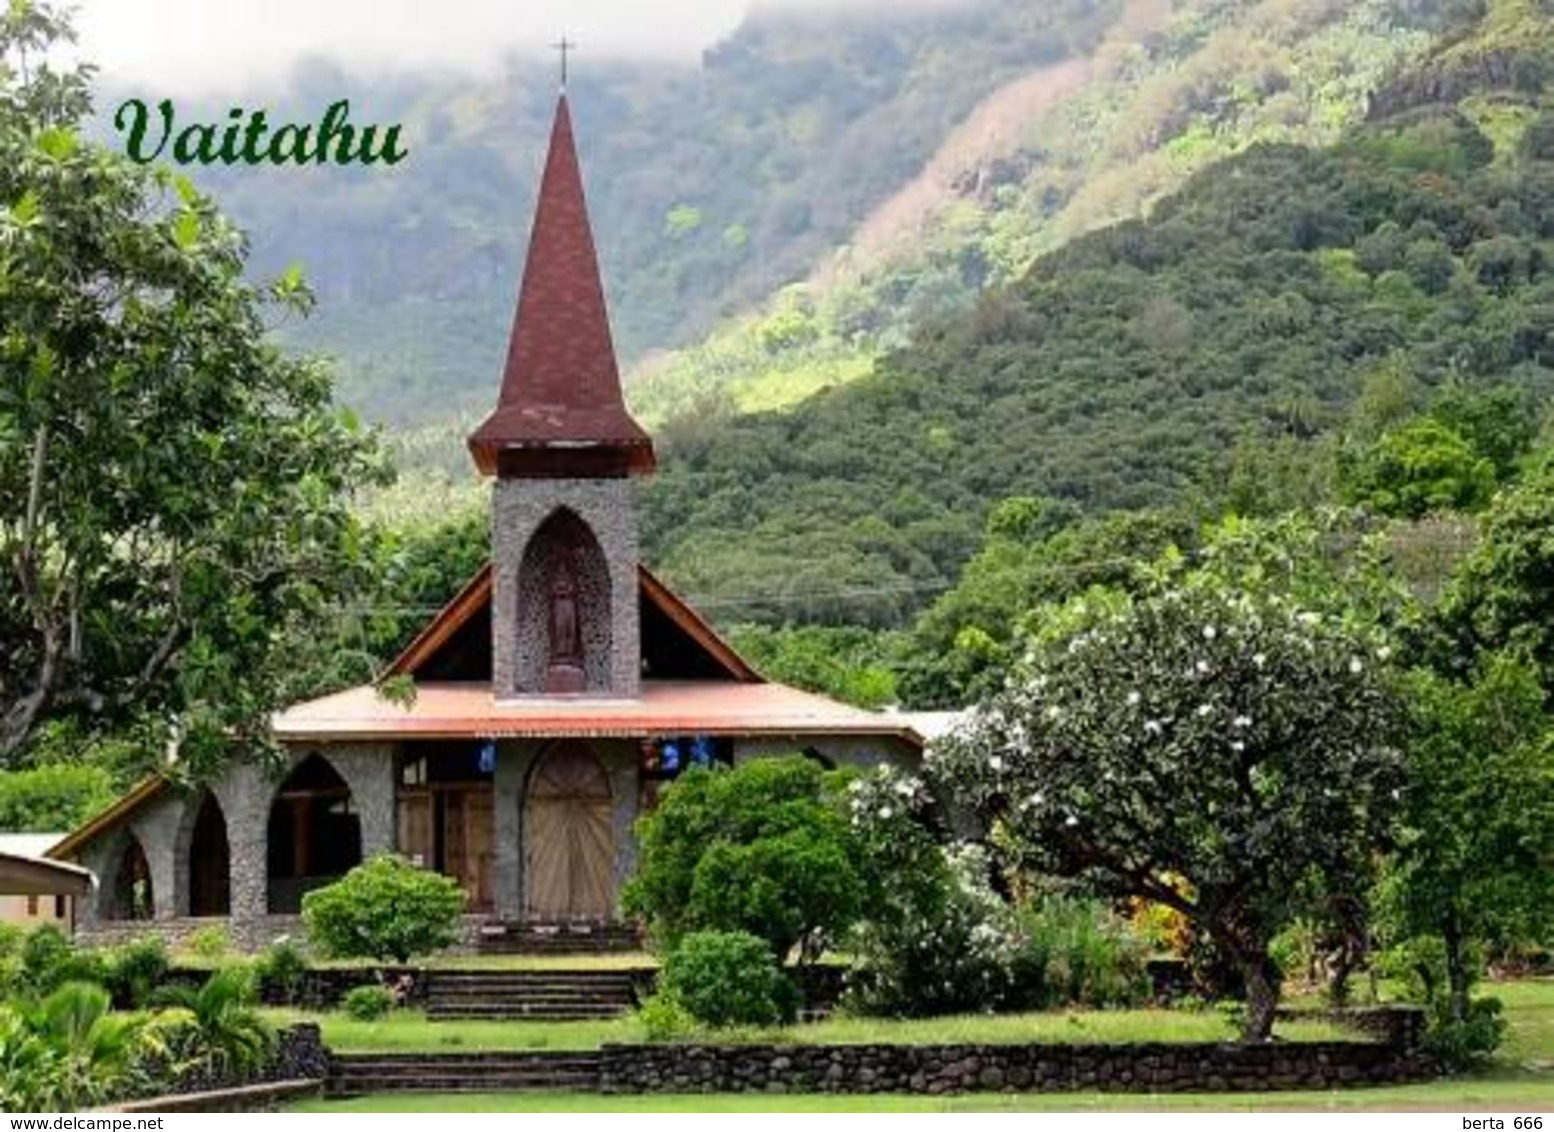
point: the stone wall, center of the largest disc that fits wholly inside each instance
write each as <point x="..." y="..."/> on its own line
<point x="1141" y="1068"/>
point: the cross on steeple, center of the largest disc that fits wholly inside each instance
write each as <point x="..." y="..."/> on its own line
<point x="564" y="45"/>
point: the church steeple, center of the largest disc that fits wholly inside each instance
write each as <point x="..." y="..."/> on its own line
<point x="560" y="411"/>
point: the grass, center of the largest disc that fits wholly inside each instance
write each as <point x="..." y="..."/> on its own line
<point x="409" y="1030"/>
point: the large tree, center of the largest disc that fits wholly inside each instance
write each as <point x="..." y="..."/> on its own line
<point x="173" y="488"/>
<point x="1207" y="744"/>
<point x="1474" y="863"/>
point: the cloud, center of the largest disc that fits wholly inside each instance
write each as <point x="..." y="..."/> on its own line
<point x="173" y="46"/>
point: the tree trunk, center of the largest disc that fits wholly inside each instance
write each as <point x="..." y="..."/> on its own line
<point x="1260" y="975"/>
<point x="1456" y="970"/>
<point x="1262" y="994"/>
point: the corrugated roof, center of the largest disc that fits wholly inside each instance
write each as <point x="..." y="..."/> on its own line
<point x="561" y="387"/>
<point x="457" y="711"/>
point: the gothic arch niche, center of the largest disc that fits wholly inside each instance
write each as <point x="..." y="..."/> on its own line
<point x="314" y="834"/>
<point x="564" y="626"/>
<point x="128" y="896"/>
<point x="209" y="859"/>
<point x="568" y="837"/>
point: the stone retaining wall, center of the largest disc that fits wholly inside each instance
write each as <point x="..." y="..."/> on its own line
<point x="1141" y="1068"/>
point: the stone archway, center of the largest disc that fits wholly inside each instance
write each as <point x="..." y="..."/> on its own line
<point x="129" y="896"/>
<point x="568" y="837"/>
<point x="314" y="835"/>
<point x="209" y="861"/>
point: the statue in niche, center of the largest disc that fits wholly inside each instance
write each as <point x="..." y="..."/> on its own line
<point x="564" y="673"/>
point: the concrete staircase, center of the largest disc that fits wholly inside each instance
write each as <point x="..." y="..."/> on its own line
<point x="587" y="937"/>
<point x="539" y="995"/>
<point x="357" y="1074"/>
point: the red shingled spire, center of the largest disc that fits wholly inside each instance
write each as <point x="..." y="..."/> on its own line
<point x="560" y="411"/>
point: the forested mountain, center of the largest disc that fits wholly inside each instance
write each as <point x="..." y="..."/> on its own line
<point x="1170" y="88"/>
<point x="1130" y="367"/>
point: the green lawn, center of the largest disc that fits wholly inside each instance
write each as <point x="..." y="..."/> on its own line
<point x="409" y="1030"/>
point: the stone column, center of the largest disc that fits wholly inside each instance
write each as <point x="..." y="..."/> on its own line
<point x="157" y="829"/>
<point x="245" y="795"/>
<point x="368" y="769"/>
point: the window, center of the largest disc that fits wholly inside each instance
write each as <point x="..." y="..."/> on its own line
<point x="32" y="905"/>
<point x="59" y="907"/>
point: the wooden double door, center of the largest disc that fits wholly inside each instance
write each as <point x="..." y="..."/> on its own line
<point x="449" y="827"/>
<point x="568" y="837"/>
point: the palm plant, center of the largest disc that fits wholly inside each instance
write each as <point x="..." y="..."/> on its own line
<point x="93" y="1048"/>
<point x="32" y="1074"/>
<point x="226" y="1033"/>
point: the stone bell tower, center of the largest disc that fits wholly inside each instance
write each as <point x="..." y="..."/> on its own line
<point x="563" y="448"/>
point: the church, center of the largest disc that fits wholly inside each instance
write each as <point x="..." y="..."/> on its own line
<point x="555" y="695"/>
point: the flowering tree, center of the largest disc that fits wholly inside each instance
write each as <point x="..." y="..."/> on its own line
<point x="1204" y="733"/>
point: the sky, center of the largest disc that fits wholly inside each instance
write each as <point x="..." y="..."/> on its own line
<point x="211" y="45"/>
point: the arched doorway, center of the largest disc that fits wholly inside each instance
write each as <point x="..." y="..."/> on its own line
<point x="568" y="838"/>
<point x="314" y="834"/>
<point x="210" y="861"/>
<point x="130" y="897"/>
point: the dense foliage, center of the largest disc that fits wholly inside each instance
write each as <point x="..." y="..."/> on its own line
<point x="726" y="979"/>
<point x="760" y="849"/>
<point x="145" y="419"/>
<point x="1136" y="366"/>
<point x="1476" y="836"/>
<point x="385" y="908"/>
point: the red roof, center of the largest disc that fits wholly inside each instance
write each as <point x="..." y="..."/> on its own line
<point x="561" y="390"/>
<point x="468" y="711"/>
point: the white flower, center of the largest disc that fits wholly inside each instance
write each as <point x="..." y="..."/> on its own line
<point x="1208" y="633"/>
<point x="1203" y="666"/>
<point x="1133" y="698"/>
<point x="1383" y="653"/>
<point x="996" y="763"/>
<point x="1071" y="821"/>
<point x="1238" y="746"/>
<point x="1203" y="710"/>
<point x="1152" y="726"/>
<point x="1053" y="712"/>
<point x="1355" y="666"/>
<point x="1259" y="659"/>
<point x="885" y="813"/>
<point x="1037" y="798"/>
<point x="1241" y="721"/>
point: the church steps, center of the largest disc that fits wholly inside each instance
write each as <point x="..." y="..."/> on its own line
<point x="357" y="1074"/>
<point x="537" y="995"/>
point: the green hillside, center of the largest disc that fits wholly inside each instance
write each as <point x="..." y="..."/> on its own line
<point x="1124" y="370"/>
<point x="1169" y="89"/>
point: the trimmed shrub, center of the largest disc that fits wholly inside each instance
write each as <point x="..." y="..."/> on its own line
<point x="385" y="908"/>
<point x="282" y="971"/>
<point x="136" y="969"/>
<point x="210" y="943"/>
<point x="728" y="979"/>
<point x="369" y="1002"/>
<point x="1465" y="1044"/>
